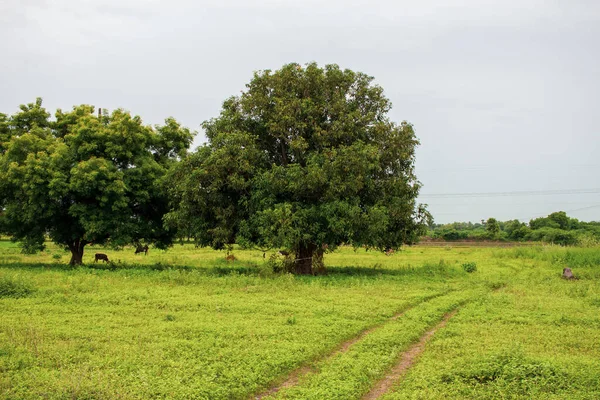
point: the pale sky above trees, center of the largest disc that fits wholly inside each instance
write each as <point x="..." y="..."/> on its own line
<point x="504" y="95"/>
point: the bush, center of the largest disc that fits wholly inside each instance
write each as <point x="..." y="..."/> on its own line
<point x="554" y="236"/>
<point x="586" y="239"/>
<point x="470" y="266"/>
<point x="14" y="288"/>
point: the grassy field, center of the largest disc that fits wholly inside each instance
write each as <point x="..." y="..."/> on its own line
<point x="187" y="324"/>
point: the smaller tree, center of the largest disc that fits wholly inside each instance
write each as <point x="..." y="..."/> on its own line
<point x="87" y="179"/>
<point x="493" y="228"/>
<point x="516" y="230"/>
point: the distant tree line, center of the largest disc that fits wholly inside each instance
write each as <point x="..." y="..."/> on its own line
<point x="557" y="228"/>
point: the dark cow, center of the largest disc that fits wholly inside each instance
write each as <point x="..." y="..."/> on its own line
<point x="100" y="256"/>
<point x="142" y="249"/>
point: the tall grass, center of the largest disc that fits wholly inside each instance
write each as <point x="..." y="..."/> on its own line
<point x="586" y="257"/>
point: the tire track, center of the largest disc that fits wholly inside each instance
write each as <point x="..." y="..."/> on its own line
<point x="408" y="358"/>
<point x="294" y="377"/>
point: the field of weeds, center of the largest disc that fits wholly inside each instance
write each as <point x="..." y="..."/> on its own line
<point x="423" y="323"/>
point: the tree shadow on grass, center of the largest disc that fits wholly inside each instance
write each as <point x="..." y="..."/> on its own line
<point x="432" y="270"/>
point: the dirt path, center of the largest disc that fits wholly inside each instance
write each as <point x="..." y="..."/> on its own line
<point x="407" y="360"/>
<point x="295" y="375"/>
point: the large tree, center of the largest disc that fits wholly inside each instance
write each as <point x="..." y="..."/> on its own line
<point x="306" y="159"/>
<point x="85" y="178"/>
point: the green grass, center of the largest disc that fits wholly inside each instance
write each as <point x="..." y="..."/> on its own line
<point x="185" y="323"/>
<point x="536" y="338"/>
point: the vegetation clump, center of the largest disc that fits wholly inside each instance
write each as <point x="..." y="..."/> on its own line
<point x="470" y="266"/>
<point x="556" y="228"/>
<point x="515" y="372"/>
<point x="15" y="288"/>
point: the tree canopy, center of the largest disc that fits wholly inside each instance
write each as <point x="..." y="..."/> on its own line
<point x="85" y="178"/>
<point x="305" y="159"/>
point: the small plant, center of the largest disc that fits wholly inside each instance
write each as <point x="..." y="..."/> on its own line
<point x="169" y="317"/>
<point x="470" y="266"/>
<point x="57" y="256"/>
<point x="291" y="320"/>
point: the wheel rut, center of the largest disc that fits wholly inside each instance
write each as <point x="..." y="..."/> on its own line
<point x="407" y="360"/>
<point x="298" y="373"/>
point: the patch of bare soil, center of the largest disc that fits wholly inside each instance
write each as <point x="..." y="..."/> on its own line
<point x="407" y="360"/>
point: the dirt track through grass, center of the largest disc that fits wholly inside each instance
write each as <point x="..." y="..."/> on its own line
<point x="408" y="358"/>
<point x="294" y="377"/>
<point x="351" y="374"/>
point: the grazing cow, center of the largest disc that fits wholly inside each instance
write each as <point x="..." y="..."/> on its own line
<point x="100" y="256"/>
<point x="389" y="252"/>
<point x="142" y="249"/>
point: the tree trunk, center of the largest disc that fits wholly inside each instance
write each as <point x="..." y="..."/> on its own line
<point x="318" y="263"/>
<point x="76" y="248"/>
<point x="303" y="264"/>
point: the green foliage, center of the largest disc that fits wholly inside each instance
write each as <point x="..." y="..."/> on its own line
<point x="557" y="228"/>
<point x="14" y="287"/>
<point x="305" y="159"/>
<point x="517" y="230"/>
<point x="5" y="132"/>
<point x="556" y="220"/>
<point x="470" y="266"/>
<point x="553" y="235"/>
<point x="32" y="244"/>
<point x="587" y="239"/>
<point x="492" y="228"/>
<point x="86" y="179"/>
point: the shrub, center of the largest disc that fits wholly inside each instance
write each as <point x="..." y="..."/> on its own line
<point x="555" y="236"/>
<point x="470" y="266"/>
<point x="14" y="288"/>
<point x="587" y="239"/>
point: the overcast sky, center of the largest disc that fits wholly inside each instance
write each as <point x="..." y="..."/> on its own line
<point x="504" y="95"/>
